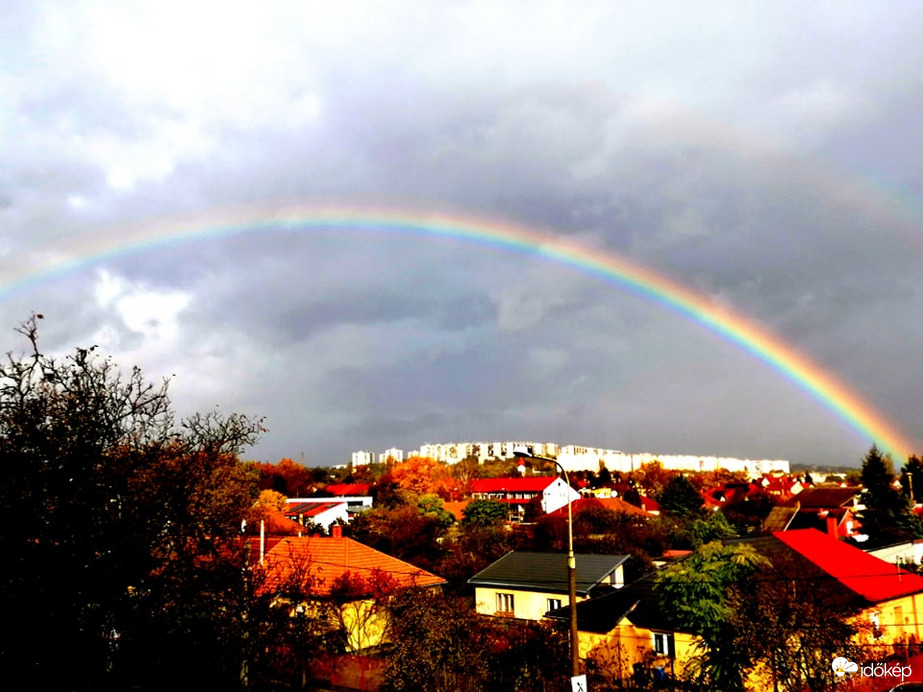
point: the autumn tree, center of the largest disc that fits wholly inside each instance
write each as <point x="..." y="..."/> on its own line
<point x="441" y="644"/>
<point x="404" y="532"/>
<point x="794" y="619"/>
<point x="118" y="527"/>
<point x="652" y="477"/>
<point x="287" y="477"/>
<point x="420" y="475"/>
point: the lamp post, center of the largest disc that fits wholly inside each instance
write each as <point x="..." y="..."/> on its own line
<point x="526" y="453"/>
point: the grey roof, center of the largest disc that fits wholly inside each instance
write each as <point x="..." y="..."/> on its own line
<point x="546" y="572"/>
<point x="779" y="518"/>
<point x="636" y="602"/>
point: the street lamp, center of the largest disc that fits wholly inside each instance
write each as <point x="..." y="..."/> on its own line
<point x="523" y="452"/>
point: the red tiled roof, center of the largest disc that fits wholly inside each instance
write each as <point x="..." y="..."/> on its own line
<point x="325" y="559"/>
<point x="535" y="484"/>
<point x="872" y="578"/>
<point x="825" y="497"/>
<point x="349" y="488"/>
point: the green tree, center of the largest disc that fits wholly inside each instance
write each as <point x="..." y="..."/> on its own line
<point x="887" y="517"/>
<point x="485" y="513"/>
<point x="118" y="527"/>
<point x="680" y="498"/>
<point x="699" y="593"/>
<point x="432" y="506"/>
<point x="699" y="531"/>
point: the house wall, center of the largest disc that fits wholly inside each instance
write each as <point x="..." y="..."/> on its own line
<point x="910" y="552"/>
<point x="527" y="605"/>
<point x="329" y="516"/>
<point x="558" y="494"/>
<point x="614" y="654"/>
<point x="365" y="623"/>
<point x="896" y="620"/>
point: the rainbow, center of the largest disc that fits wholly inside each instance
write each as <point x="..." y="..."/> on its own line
<point x="92" y="248"/>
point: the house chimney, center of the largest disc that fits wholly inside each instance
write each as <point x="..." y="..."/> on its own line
<point x="262" y="540"/>
<point x="336" y="531"/>
<point x="831" y="527"/>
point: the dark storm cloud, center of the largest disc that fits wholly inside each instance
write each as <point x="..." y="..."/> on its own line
<point x="763" y="157"/>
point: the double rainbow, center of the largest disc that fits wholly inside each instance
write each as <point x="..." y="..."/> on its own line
<point x="730" y="325"/>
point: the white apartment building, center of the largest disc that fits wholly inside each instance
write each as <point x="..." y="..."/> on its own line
<point x="393" y="453"/>
<point x="579" y="458"/>
<point x="453" y="452"/>
<point x="363" y="458"/>
<point x="574" y="458"/>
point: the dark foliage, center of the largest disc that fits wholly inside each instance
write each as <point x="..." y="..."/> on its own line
<point x="118" y="528"/>
<point x="887" y="517"/>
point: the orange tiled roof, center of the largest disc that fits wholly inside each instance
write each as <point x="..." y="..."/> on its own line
<point x="326" y="559"/>
<point x="274" y="523"/>
<point x="616" y="504"/>
<point x="456" y="509"/>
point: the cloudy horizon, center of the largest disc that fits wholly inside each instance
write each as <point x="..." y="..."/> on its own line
<point x="766" y="157"/>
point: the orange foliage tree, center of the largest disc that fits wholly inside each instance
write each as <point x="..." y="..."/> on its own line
<point x="422" y="475"/>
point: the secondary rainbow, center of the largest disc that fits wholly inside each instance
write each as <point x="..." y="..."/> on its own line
<point x="840" y="399"/>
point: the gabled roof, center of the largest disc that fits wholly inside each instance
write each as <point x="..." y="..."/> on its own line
<point x="872" y="578"/>
<point x="546" y="572"/>
<point x="322" y="560"/>
<point x="817" y="518"/>
<point x="274" y="523"/>
<point x="825" y="497"/>
<point x="312" y="509"/>
<point x="636" y="602"/>
<point x="348" y="488"/>
<point x="534" y="484"/>
<point x="850" y="579"/>
<point x="616" y="504"/>
<point x="779" y="518"/>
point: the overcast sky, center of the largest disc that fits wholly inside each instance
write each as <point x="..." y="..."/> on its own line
<point x="766" y="154"/>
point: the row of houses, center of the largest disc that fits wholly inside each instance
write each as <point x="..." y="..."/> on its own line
<point x="803" y="533"/>
<point x="616" y="620"/>
<point x="626" y="627"/>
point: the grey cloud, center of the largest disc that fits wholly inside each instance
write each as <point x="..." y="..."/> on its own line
<point x="763" y="157"/>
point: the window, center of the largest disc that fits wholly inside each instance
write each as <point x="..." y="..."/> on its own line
<point x="554" y="603"/>
<point x="663" y="644"/>
<point x="505" y="603"/>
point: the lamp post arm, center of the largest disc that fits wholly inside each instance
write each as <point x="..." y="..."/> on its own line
<point x="571" y="565"/>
